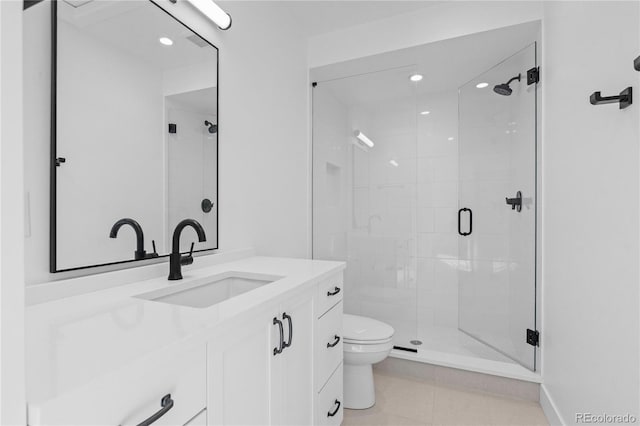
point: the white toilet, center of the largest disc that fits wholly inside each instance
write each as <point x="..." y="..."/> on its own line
<point x="366" y="342"/>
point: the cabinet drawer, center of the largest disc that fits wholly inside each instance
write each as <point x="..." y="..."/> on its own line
<point x="329" y="406"/>
<point x="330" y="292"/>
<point x="328" y="353"/>
<point x="130" y="397"/>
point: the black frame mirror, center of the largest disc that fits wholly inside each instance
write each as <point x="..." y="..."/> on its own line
<point x="61" y="160"/>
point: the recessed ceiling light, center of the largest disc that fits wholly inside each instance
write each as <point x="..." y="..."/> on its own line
<point x="166" y="41"/>
<point x="394" y="163"/>
<point x="425" y="113"/>
<point x="482" y="85"/>
<point x="416" y="77"/>
<point x="450" y="138"/>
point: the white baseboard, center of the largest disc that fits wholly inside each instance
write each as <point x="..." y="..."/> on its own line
<point x="550" y="409"/>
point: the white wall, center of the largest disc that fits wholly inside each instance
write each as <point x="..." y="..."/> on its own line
<point x="434" y="23"/>
<point x="590" y="165"/>
<point x="264" y="173"/>
<point x="12" y="387"/>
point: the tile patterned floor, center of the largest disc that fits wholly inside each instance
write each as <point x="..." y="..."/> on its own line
<point x="401" y="401"/>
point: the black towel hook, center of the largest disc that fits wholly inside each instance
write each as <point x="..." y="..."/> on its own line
<point x="624" y="98"/>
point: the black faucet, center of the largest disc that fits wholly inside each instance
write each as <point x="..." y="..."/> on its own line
<point x="140" y="253"/>
<point x="176" y="260"/>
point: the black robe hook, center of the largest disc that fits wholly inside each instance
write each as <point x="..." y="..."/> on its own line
<point x="624" y="98"/>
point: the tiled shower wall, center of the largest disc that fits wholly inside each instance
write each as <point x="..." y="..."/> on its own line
<point x="395" y="225"/>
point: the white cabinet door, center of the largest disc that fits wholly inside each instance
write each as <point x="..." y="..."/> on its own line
<point x="261" y="372"/>
<point x="240" y="380"/>
<point x="296" y="370"/>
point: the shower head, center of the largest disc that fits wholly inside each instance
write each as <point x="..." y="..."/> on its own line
<point x="504" y="89"/>
<point x="213" y="128"/>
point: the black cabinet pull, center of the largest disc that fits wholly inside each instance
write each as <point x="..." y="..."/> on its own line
<point x="166" y="403"/>
<point x="334" y="412"/>
<point x="288" y="318"/>
<point x="335" y="291"/>
<point x="335" y="342"/>
<point x="280" y="347"/>
<point x="464" y="209"/>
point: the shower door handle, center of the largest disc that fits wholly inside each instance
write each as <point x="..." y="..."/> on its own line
<point x="464" y="209"/>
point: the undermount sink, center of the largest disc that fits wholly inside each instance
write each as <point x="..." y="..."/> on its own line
<point x="209" y="291"/>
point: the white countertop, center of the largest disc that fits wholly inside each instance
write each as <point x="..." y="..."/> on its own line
<point x="74" y="341"/>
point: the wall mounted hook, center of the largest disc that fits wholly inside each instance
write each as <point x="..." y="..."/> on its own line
<point x="624" y="98"/>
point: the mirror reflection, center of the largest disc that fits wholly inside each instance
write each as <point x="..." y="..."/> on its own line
<point x="136" y="134"/>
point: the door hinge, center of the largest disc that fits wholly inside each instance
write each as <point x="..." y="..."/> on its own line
<point x="533" y="337"/>
<point x="533" y="75"/>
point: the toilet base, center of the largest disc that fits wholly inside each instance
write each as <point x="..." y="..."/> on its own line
<point x="359" y="390"/>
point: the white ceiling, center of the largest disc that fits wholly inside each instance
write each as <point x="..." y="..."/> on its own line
<point x="203" y="100"/>
<point x="445" y="65"/>
<point x="135" y="27"/>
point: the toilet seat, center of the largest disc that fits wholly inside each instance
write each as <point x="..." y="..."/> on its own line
<point x="365" y="331"/>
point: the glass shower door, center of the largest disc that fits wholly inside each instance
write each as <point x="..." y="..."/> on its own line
<point x="497" y="201"/>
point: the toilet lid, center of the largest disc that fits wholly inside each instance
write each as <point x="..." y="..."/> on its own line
<point x="364" y="329"/>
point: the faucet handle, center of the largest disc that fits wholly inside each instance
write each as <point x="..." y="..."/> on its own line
<point x="155" y="252"/>
<point x="188" y="259"/>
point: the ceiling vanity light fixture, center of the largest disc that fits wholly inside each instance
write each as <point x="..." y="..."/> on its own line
<point x="415" y="77"/>
<point x="362" y="138"/>
<point x="482" y="85"/>
<point x="212" y="11"/>
<point x="165" y="41"/>
<point x="425" y="113"/>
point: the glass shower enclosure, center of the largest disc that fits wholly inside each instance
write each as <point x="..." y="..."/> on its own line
<point x="415" y="186"/>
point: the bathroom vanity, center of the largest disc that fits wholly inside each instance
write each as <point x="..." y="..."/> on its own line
<point x="252" y="341"/>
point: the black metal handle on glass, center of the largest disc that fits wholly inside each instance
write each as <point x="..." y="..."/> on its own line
<point x="335" y="342"/>
<point x="636" y="64"/>
<point x="625" y="98"/>
<point x="464" y="209"/>
<point x="335" y="411"/>
<point x="288" y="318"/>
<point x="515" y="203"/>
<point x="280" y="347"/>
<point x="335" y="291"/>
<point x="166" y="403"/>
